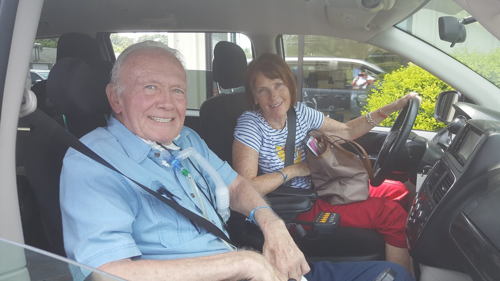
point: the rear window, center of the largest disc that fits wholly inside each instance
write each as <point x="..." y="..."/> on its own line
<point x="197" y="52"/>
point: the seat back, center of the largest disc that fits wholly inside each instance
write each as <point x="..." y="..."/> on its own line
<point x="69" y="45"/>
<point x="78" y="92"/>
<point x="218" y="114"/>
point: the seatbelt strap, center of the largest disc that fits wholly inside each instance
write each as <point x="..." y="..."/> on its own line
<point x="290" y="138"/>
<point x="75" y="143"/>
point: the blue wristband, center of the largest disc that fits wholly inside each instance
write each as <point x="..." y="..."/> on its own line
<point x="251" y="216"/>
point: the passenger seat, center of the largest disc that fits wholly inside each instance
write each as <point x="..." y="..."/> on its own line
<point x="76" y="89"/>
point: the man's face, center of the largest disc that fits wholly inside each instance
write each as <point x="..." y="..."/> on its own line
<point x="152" y="100"/>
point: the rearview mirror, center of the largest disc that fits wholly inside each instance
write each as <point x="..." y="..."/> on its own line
<point x="451" y="30"/>
<point x="444" y="110"/>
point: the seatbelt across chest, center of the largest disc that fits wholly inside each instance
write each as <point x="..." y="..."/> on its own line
<point x="72" y="141"/>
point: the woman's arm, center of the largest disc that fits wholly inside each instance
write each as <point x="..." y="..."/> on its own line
<point x="355" y="128"/>
<point x="245" y="162"/>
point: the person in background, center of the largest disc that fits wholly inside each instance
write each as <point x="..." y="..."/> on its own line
<point x="362" y="81"/>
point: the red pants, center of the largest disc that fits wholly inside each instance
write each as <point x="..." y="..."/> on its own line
<point x="382" y="214"/>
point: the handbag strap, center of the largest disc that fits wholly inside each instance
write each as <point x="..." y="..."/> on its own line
<point x="75" y="143"/>
<point x="359" y="150"/>
<point x="291" y="117"/>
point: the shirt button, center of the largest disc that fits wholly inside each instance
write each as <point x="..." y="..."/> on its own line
<point x="192" y="195"/>
<point x="157" y="154"/>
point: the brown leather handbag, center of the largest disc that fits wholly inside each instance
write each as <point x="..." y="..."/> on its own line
<point x="341" y="169"/>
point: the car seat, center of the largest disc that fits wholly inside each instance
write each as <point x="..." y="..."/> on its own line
<point x="77" y="90"/>
<point x="218" y="117"/>
<point x="69" y="45"/>
<point x="218" y="114"/>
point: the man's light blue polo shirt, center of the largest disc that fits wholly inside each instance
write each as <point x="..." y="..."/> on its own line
<point x="106" y="217"/>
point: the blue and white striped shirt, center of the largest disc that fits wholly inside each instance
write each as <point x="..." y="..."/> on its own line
<point x="253" y="130"/>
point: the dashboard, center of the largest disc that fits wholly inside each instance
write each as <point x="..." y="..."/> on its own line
<point x="453" y="222"/>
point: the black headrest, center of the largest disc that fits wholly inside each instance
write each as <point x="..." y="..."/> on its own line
<point x="229" y="65"/>
<point x="78" y="88"/>
<point x="78" y="45"/>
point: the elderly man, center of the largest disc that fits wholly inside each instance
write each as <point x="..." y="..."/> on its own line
<point x="112" y="224"/>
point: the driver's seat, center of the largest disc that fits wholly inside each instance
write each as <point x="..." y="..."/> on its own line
<point x="218" y="117"/>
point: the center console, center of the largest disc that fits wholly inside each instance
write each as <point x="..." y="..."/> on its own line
<point x="463" y="174"/>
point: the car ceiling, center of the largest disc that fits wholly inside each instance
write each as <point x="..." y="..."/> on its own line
<point x="485" y="11"/>
<point x="341" y="18"/>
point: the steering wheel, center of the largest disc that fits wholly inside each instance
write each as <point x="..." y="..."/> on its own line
<point x="394" y="141"/>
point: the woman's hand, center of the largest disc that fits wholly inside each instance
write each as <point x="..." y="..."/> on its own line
<point x="297" y="170"/>
<point x="400" y="103"/>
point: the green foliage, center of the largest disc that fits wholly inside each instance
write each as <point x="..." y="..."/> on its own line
<point x="400" y="82"/>
<point x="121" y="42"/>
<point x="49" y="43"/>
<point x="486" y="64"/>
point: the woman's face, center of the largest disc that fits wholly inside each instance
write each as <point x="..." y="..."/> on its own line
<point x="272" y="96"/>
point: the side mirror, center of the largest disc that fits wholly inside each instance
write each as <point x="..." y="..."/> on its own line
<point x="444" y="110"/>
<point x="451" y="30"/>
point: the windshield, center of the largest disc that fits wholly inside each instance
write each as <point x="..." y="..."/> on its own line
<point x="481" y="49"/>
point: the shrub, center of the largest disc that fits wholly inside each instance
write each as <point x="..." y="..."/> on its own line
<point x="398" y="83"/>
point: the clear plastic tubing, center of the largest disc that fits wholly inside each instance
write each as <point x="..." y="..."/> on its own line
<point x="221" y="190"/>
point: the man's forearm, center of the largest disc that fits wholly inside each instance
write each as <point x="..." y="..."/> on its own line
<point x="227" y="266"/>
<point x="244" y="198"/>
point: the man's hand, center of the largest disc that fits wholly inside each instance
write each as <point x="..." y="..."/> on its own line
<point x="257" y="268"/>
<point x="282" y="252"/>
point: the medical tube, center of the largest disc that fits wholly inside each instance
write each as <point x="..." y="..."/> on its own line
<point x="221" y="191"/>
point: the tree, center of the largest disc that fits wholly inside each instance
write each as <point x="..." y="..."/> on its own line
<point x="486" y="64"/>
<point x="153" y="37"/>
<point x="121" y="42"/>
<point x="48" y="43"/>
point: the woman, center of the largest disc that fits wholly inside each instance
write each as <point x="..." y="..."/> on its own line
<point x="260" y="137"/>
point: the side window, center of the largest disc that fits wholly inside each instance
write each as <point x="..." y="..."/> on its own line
<point x="43" y="57"/>
<point x="338" y="74"/>
<point x="197" y="54"/>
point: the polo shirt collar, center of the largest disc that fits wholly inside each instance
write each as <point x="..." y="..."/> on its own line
<point x="136" y="148"/>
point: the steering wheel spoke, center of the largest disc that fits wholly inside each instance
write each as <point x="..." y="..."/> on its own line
<point x="394" y="141"/>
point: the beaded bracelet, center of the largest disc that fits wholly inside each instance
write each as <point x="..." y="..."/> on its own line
<point x="251" y="216"/>
<point x="369" y="119"/>
<point x="285" y="176"/>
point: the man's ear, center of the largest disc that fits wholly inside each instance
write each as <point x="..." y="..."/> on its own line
<point x="113" y="98"/>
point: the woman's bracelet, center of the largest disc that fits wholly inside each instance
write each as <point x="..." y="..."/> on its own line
<point x="381" y="113"/>
<point x="369" y="119"/>
<point x="285" y="176"/>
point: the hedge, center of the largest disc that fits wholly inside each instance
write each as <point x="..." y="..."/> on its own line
<point x="398" y="83"/>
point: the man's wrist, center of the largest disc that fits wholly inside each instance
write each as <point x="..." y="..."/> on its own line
<point x="270" y="223"/>
<point x="251" y="215"/>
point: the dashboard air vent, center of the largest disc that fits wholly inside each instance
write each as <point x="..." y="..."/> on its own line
<point x="443" y="185"/>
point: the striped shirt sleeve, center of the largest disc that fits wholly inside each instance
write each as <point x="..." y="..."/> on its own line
<point x="314" y="119"/>
<point x="247" y="131"/>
